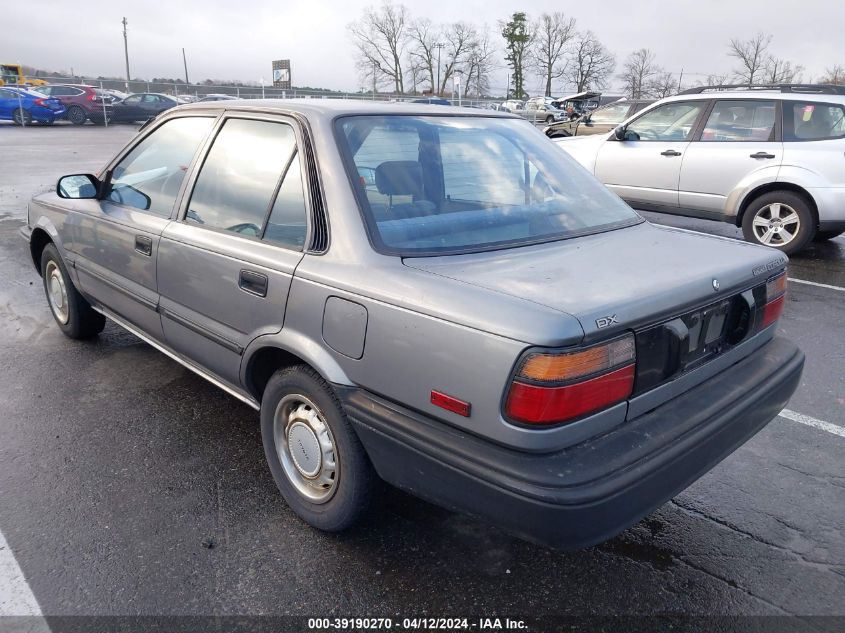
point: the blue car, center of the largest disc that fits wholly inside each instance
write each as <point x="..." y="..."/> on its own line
<point x="24" y="106"/>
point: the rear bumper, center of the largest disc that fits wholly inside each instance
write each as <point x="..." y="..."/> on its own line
<point x="587" y="493"/>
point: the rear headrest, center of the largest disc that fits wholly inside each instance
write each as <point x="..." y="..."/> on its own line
<point x="400" y="178"/>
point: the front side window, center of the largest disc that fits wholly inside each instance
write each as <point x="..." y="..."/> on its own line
<point x="132" y="100"/>
<point x="150" y="176"/>
<point x="439" y="185"/>
<point x="740" y="121"/>
<point x="240" y="176"/>
<point x="670" y="122"/>
<point x="611" y="114"/>
<point x="807" y="121"/>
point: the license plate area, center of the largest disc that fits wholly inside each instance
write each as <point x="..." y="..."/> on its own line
<point x="706" y="334"/>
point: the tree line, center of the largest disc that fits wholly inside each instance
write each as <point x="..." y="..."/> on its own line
<point x="404" y="54"/>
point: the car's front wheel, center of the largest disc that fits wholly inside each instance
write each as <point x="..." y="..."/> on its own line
<point x="73" y="314"/>
<point x="780" y="219"/>
<point x="315" y="457"/>
<point x="76" y="115"/>
<point x="550" y="119"/>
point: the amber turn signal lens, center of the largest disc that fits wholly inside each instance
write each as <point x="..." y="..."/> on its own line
<point x="569" y="366"/>
<point x="775" y="287"/>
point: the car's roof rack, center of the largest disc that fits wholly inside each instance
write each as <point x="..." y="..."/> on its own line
<point x="797" y="88"/>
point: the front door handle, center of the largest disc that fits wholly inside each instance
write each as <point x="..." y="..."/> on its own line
<point x="762" y="155"/>
<point x="143" y="245"/>
<point x="252" y="282"/>
<point x="670" y="152"/>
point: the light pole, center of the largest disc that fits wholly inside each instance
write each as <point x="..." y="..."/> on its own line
<point x="126" y="52"/>
<point x="376" y="66"/>
<point x="185" y="61"/>
<point x="439" y="46"/>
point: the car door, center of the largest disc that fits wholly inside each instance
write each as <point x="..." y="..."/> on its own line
<point x="116" y="239"/>
<point x="740" y="143"/>
<point x="225" y="267"/>
<point x="129" y="109"/>
<point x="645" y="168"/>
<point x="8" y="103"/>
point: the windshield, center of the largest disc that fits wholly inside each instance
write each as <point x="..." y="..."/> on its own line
<point x="439" y="185"/>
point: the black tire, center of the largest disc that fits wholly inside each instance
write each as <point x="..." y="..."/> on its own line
<point x="22" y="117"/>
<point x="355" y="482"/>
<point x="550" y="119"/>
<point x="76" y="115"/>
<point x="762" y="207"/>
<point x="823" y="236"/>
<point x="82" y="320"/>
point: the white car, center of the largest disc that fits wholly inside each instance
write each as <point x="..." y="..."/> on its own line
<point x="770" y="159"/>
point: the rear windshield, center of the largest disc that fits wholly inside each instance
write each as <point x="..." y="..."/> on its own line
<point x="439" y="185"/>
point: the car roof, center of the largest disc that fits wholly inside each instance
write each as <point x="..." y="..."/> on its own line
<point x="332" y="108"/>
<point x="758" y="94"/>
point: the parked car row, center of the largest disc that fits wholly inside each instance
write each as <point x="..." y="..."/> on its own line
<point x="768" y="159"/>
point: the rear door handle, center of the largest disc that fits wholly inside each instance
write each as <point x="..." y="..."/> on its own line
<point x="670" y="152"/>
<point x="144" y="245"/>
<point x="252" y="282"/>
<point x="762" y="155"/>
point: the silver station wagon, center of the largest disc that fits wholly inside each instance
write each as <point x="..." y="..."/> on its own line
<point x="431" y="296"/>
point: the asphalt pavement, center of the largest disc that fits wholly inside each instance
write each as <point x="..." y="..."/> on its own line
<point x="130" y="486"/>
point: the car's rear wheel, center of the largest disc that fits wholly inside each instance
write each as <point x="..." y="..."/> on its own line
<point x="73" y="314"/>
<point x="76" y="115"/>
<point x="21" y="117"/>
<point x="780" y="219"/>
<point x="823" y="236"/>
<point x="315" y="457"/>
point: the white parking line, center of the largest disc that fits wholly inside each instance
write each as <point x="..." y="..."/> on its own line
<point x="815" y="283"/>
<point x="815" y="423"/>
<point x="16" y="598"/>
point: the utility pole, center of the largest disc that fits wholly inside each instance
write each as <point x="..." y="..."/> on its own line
<point x="376" y="66"/>
<point x="680" y="79"/>
<point x="439" y="47"/>
<point x="185" y="61"/>
<point x="126" y="52"/>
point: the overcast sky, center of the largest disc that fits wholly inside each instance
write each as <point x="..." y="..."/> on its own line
<point x="238" y="40"/>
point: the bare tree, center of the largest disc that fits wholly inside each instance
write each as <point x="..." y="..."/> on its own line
<point x="380" y="37"/>
<point x="552" y="34"/>
<point x="590" y="63"/>
<point x="664" y="84"/>
<point x="458" y="39"/>
<point x="639" y="73"/>
<point x="834" y="75"/>
<point x="480" y="64"/>
<point x="717" y="79"/>
<point x="424" y="38"/>
<point x="780" y="71"/>
<point x="752" y="56"/>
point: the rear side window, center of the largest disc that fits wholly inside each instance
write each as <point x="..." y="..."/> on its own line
<point x="740" y="121"/>
<point x="241" y="175"/>
<point x="150" y="176"/>
<point x="810" y="121"/>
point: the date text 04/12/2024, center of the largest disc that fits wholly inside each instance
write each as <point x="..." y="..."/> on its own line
<point x="417" y="624"/>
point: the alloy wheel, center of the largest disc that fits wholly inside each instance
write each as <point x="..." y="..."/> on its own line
<point x="776" y="224"/>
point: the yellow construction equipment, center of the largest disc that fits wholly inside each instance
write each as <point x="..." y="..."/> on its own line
<point x="12" y="75"/>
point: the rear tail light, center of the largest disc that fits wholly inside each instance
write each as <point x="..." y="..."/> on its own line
<point x="92" y="97"/>
<point x="39" y="102"/>
<point x="775" y="297"/>
<point x="550" y="388"/>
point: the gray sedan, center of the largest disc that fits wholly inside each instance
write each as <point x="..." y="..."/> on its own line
<point x="438" y="299"/>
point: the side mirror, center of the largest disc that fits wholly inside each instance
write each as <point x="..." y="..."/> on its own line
<point x="78" y="187"/>
<point x="619" y="133"/>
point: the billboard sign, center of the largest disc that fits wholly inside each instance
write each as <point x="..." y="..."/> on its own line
<point x="281" y="74"/>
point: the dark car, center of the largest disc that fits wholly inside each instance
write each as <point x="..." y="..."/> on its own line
<point x="141" y="107"/>
<point x="598" y="121"/>
<point x="83" y="103"/>
<point x="440" y="298"/>
<point x="216" y="98"/>
<point x="25" y="106"/>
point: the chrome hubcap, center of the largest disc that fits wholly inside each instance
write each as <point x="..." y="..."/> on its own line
<point x="776" y="224"/>
<point x="56" y="292"/>
<point x="306" y="448"/>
